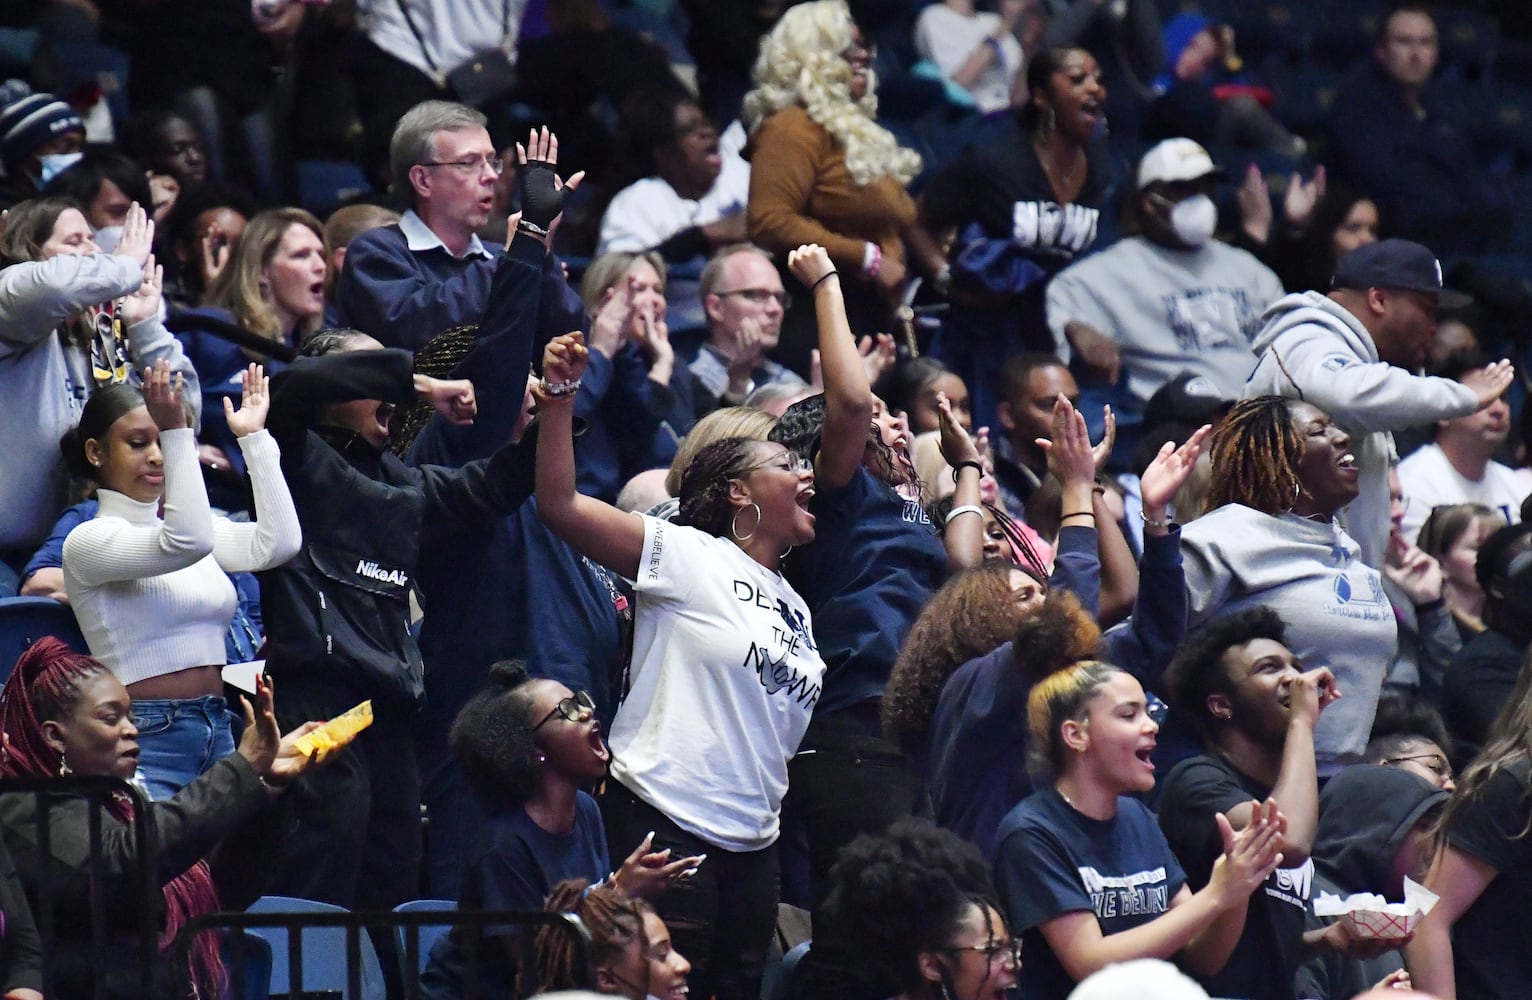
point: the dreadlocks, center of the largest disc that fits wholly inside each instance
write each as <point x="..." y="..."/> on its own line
<point x="1255" y="456"/>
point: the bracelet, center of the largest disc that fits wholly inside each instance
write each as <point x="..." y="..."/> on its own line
<point x="967" y="508"/>
<point x="822" y="279"/>
<point x="1150" y="522"/>
<point x="966" y="465"/>
<point x="559" y="390"/>
<point x="531" y="229"/>
<point x="1078" y="513"/>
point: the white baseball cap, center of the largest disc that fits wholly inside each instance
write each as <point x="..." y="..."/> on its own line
<point x="1175" y="160"/>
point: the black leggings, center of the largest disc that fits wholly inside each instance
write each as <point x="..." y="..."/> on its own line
<point x="722" y="918"/>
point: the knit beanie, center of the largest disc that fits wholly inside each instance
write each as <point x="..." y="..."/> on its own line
<point x="30" y="123"/>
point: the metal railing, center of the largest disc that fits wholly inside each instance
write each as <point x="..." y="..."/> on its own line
<point x="356" y="923"/>
<point x="98" y="791"/>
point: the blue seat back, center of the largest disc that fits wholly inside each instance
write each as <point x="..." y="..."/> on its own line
<point x="429" y="934"/>
<point x="24" y="620"/>
<point x="323" y="951"/>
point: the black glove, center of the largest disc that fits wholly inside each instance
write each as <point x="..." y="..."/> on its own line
<point x="541" y="199"/>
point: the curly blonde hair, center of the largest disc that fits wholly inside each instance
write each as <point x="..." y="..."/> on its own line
<point x="801" y="64"/>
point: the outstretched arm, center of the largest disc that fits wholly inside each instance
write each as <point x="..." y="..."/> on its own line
<point x="848" y="396"/>
<point x="595" y="529"/>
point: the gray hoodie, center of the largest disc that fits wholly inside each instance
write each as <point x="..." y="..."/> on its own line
<point x="1312" y="348"/>
<point x="1308" y="572"/>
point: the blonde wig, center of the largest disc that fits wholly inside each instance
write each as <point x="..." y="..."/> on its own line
<point x="801" y="63"/>
<point x="238" y="287"/>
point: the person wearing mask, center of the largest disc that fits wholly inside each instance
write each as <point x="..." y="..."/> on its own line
<point x="1169" y="299"/>
<point x="1354" y="351"/>
<point x="71" y="319"/>
<point x="40" y="138"/>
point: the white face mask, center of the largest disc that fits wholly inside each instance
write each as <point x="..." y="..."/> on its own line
<point x="107" y="238"/>
<point x="1194" y="220"/>
<point x="53" y="164"/>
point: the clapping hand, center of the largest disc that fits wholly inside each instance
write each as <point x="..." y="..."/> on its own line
<point x="878" y="355"/>
<point x="137" y="236"/>
<point x="1070" y="457"/>
<point x="645" y="874"/>
<point x="1249" y="855"/>
<point x="1169" y="471"/>
<point x="276" y="758"/>
<point x="254" y="402"/>
<point x="957" y="445"/>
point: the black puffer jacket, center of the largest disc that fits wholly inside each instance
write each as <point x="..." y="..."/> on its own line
<point x="338" y="611"/>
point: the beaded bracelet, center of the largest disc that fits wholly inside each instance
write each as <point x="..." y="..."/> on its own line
<point x="559" y="390"/>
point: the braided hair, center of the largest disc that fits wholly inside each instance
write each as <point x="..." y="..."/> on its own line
<point x="615" y="923"/>
<point x="705" y="484"/>
<point x="48" y="683"/>
<point x="1256" y="454"/>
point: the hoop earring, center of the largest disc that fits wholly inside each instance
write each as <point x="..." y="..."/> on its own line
<point x="734" y="524"/>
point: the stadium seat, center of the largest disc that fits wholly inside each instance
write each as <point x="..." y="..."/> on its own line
<point x="24" y="620"/>
<point x="429" y="934"/>
<point x="324" y="951"/>
<point x="249" y="955"/>
<point x="778" y="982"/>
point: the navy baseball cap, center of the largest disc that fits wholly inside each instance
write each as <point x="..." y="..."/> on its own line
<point x="1397" y="264"/>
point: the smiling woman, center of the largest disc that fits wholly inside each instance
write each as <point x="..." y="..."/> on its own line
<point x="1282" y="472"/>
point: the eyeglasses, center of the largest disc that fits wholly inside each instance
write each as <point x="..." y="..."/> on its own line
<point x="761" y="296"/>
<point x="995" y="951"/>
<point x="1434" y="762"/>
<point x="785" y="462"/>
<point x="472" y="165"/>
<point x="579" y="708"/>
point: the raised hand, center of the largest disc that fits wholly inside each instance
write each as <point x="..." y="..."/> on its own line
<point x="613" y="320"/>
<point x="1070" y="459"/>
<point x="543" y="192"/>
<point x="162" y="396"/>
<point x="809" y="263"/>
<point x="956" y="443"/>
<point x="144" y="303"/>
<point x="137" y="236"/>
<point x="1413" y="571"/>
<point x="254" y="402"/>
<point x="1254" y="200"/>
<point x="275" y="757"/>
<point x="564" y="358"/>
<point x="213" y="255"/>
<point x="878" y="355"/>
<point x="645" y="873"/>
<point x="1302" y="197"/>
<point x="1102" y="452"/>
<point x="1169" y="471"/>
<point x="1490" y="382"/>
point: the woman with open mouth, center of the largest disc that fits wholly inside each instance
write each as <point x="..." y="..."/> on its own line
<point x="630" y="948"/>
<point x="1283" y="472"/>
<point x="1083" y="870"/>
<point x="272" y="282"/>
<point x="532" y="751"/>
<point x="726" y="670"/>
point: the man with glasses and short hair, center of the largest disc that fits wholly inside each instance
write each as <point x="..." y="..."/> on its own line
<point x="406" y="283"/>
<point x="744" y="300"/>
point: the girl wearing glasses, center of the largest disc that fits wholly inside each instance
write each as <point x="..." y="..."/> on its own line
<point x="919" y="904"/>
<point x="530" y="748"/>
<point x="1083" y="870"/>
<point x="725" y="667"/>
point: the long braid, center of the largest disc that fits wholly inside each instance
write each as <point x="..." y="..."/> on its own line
<point x="47" y="683"/>
<point x="1256" y="455"/>
<point x="705" y="484"/>
<point x="613" y="920"/>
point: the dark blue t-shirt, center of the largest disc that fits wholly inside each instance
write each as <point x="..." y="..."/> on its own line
<point x="1051" y="860"/>
<point x="518" y="863"/>
<point x="874" y="562"/>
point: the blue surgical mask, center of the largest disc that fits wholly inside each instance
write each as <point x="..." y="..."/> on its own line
<point x="53" y="164"/>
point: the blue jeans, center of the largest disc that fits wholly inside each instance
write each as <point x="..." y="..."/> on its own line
<point x="178" y="739"/>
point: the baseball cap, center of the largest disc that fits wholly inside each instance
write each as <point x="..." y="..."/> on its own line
<point x="1396" y="263"/>
<point x="1175" y="160"/>
<point x="1188" y="398"/>
<point x="29" y="123"/>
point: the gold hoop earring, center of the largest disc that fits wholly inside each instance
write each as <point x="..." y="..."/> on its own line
<point x="734" y="524"/>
